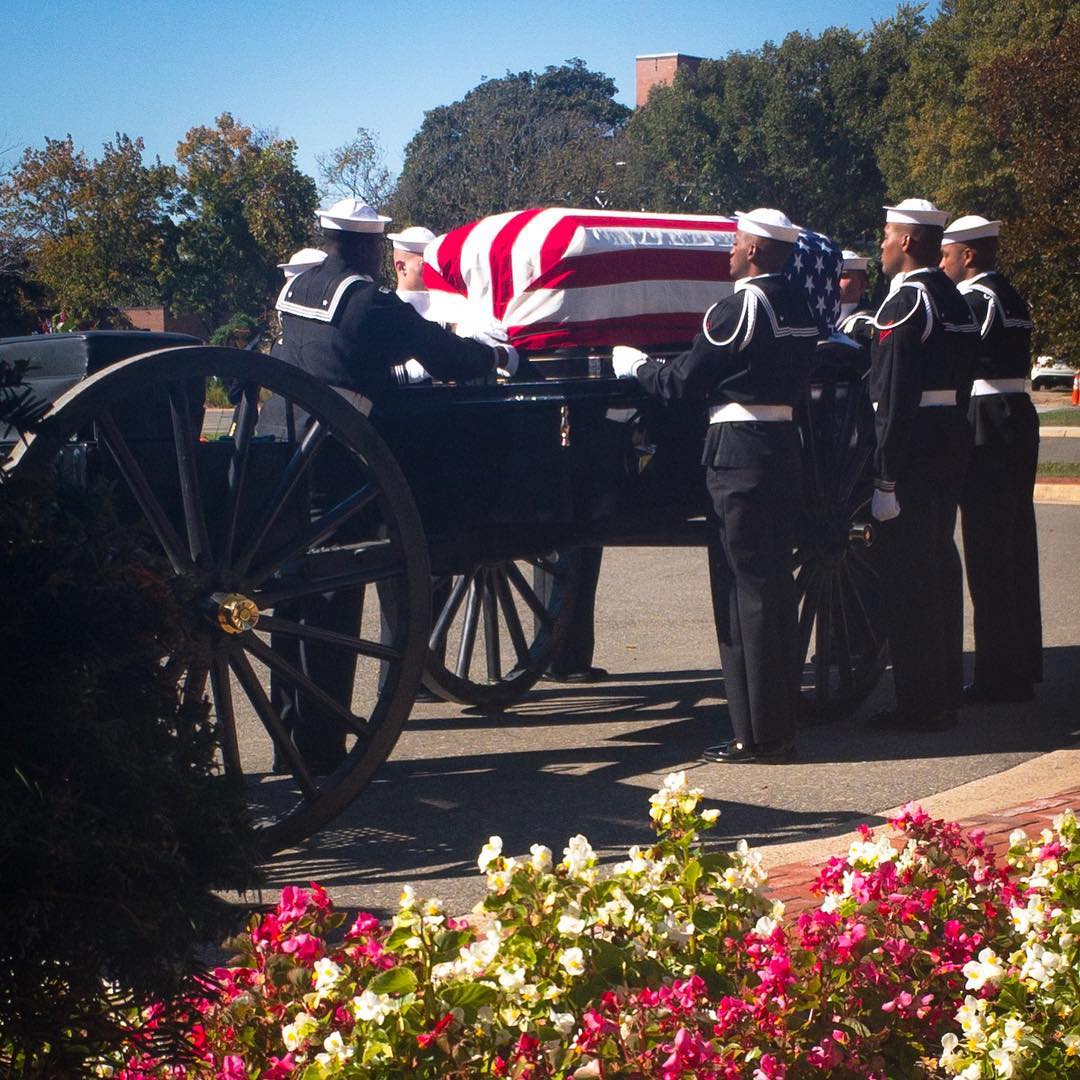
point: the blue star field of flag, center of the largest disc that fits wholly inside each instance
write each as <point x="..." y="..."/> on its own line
<point x="815" y="267"/>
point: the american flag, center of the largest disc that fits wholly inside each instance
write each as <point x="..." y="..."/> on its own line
<point x="558" y="277"/>
<point x="815" y="267"/>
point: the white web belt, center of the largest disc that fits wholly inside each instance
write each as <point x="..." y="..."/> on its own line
<point x="931" y="398"/>
<point x="726" y="414"/>
<point x="998" y="386"/>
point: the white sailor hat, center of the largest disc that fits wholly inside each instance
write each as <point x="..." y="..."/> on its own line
<point x="352" y="215"/>
<point x="302" y="260"/>
<point x="853" y="261"/>
<point x="415" y="238"/>
<point x="970" y="227"/>
<point x="771" y="223"/>
<point x="916" y="212"/>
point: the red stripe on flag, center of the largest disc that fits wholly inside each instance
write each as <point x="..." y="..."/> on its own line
<point x="502" y="266"/>
<point x="635" y="264"/>
<point x="639" y="330"/>
<point x="448" y="256"/>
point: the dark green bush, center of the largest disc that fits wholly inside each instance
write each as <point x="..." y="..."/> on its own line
<point x="114" y="828"/>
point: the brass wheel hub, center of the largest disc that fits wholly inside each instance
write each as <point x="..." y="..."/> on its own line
<point x="236" y="613"/>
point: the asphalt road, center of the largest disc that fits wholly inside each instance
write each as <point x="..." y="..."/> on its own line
<point x="572" y="759"/>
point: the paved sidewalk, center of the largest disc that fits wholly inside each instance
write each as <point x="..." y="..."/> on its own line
<point x="982" y="804"/>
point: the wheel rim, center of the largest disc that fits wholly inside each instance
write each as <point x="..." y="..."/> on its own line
<point x="496" y="626"/>
<point x="235" y="530"/>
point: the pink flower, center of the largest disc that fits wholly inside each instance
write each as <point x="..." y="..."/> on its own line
<point x="769" y="1069"/>
<point x="305" y="946"/>
<point x="280" y="1068"/>
<point x="293" y="904"/>
<point x="232" y="1068"/>
<point x="364" y="926"/>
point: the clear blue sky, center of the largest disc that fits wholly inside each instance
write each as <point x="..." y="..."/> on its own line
<point x="314" y="72"/>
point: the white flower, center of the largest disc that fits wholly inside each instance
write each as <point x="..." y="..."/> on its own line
<point x="972" y="1072"/>
<point x="302" y="1027"/>
<point x="1072" y="1045"/>
<point x="579" y="855"/>
<point x="563" y="1023"/>
<point x="490" y="852"/>
<point x="512" y="978"/>
<point x="970" y="1016"/>
<point x="336" y="1050"/>
<point x="710" y="815"/>
<point x="987" y="969"/>
<point x="407" y="897"/>
<point x="570" y="925"/>
<point x="949" y="1043"/>
<point x="1002" y="1061"/>
<point x="765" y="926"/>
<point x="540" y="859"/>
<point x="498" y="881"/>
<point x="326" y="973"/>
<point x="371" y="1006"/>
<point x="1017" y="837"/>
<point x="572" y="961"/>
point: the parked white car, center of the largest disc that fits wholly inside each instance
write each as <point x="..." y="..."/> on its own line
<point x="1046" y="371"/>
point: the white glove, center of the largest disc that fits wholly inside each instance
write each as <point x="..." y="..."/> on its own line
<point x="509" y="365"/>
<point x="625" y="359"/>
<point x="410" y="373"/>
<point x="883" y="505"/>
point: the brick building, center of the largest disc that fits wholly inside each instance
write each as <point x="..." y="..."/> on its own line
<point x="161" y="319"/>
<point x="659" y="69"/>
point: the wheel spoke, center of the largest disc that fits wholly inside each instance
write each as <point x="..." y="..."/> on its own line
<point x="294" y="588"/>
<point x="294" y="472"/>
<point x="856" y="592"/>
<point x="245" y="427"/>
<point x="140" y="488"/>
<point x="318" y="531"/>
<point x="449" y="612"/>
<point x="468" y="631"/>
<point x="513" y="622"/>
<point x="271" y="720"/>
<point x="845" y="665"/>
<point x="221" y="687"/>
<point x="806" y="621"/>
<point x="374" y="649"/>
<point x="491" y="629"/>
<point x="293" y="675"/>
<point x="185" y="440"/>
<point x="517" y="578"/>
<point x="823" y="640"/>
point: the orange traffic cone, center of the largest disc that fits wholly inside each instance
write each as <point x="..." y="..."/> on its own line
<point x="1076" y="389"/>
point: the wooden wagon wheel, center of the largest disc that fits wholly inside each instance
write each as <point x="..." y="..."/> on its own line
<point x="496" y="627"/>
<point x="841" y="621"/>
<point x="242" y="539"/>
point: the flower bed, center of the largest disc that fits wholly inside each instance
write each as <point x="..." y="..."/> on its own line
<point x="926" y="955"/>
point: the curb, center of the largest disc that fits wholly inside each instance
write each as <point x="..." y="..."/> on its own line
<point x="1059" y="432"/>
<point x="1058" y="490"/>
<point x="1040" y="777"/>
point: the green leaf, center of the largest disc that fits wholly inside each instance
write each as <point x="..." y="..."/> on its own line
<point x="468" y="994"/>
<point x="399" y="980"/>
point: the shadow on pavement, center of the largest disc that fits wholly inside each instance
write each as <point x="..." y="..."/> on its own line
<point x="573" y="759"/>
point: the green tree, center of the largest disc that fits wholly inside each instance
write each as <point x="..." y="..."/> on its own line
<point x="937" y="142"/>
<point x="245" y="207"/>
<point x="1041" y="244"/>
<point x="96" y="233"/>
<point x="523" y="140"/>
<point x="793" y="126"/>
<point x="356" y="169"/>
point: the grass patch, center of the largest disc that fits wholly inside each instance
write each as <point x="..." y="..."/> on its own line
<point x="1058" y="468"/>
<point x="1069" y="417"/>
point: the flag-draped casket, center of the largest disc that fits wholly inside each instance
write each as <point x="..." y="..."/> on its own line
<point x="560" y="278"/>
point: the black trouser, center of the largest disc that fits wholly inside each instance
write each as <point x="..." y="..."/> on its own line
<point x="924" y="587"/>
<point x="753" y="592"/>
<point x="575" y="652"/>
<point x="1002" y="555"/>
